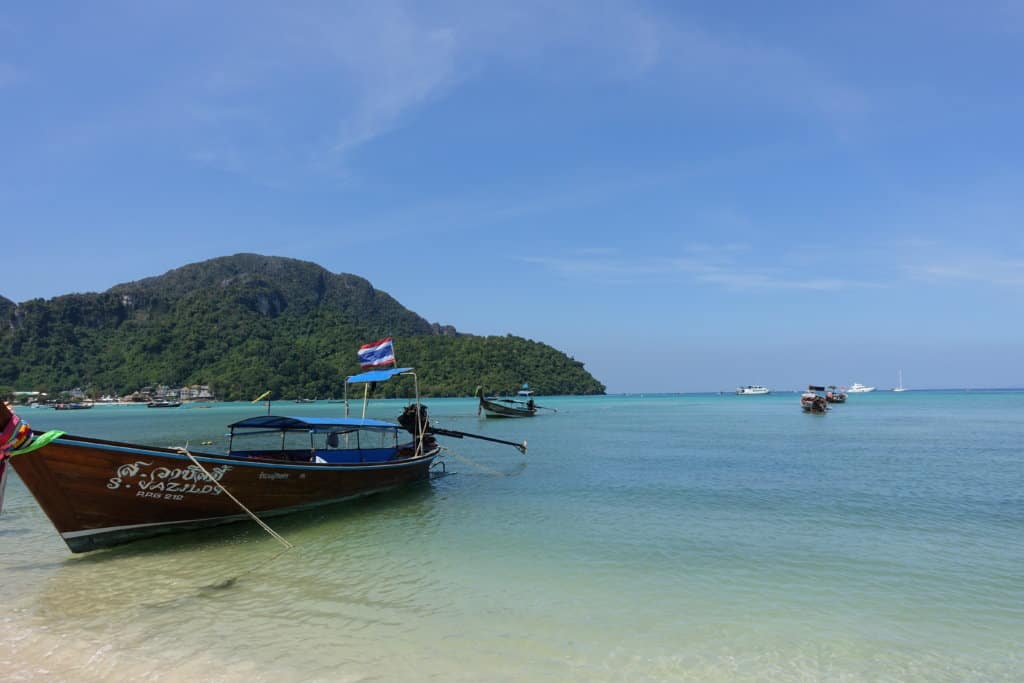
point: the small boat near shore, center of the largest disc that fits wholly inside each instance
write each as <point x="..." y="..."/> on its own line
<point x="495" y="406"/>
<point x="164" y="404"/>
<point x="506" y="407"/>
<point x="74" y="405"/>
<point x="100" y="493"/>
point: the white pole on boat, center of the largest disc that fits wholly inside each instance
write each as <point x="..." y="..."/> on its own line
<point x="419" y="425"/>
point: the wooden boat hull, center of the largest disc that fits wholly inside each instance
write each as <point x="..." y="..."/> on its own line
<point x="101" y="493"/>
<point x="495" y="409"/>
<point x="814" y="406"/>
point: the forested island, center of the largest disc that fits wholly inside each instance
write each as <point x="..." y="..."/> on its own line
<point x="247" y="323"/>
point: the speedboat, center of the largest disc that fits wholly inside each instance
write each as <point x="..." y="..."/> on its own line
<point x="753" y="390"/>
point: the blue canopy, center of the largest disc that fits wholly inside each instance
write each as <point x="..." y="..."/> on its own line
<point x="377" y="375"/>
<point x="316" y="424"/>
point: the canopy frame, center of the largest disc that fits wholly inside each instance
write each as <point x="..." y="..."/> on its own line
<point x="367" y="379"/>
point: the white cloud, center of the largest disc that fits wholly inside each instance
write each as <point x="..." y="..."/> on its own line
<point x="278" y="88"/>
<point x="379" y="63"/>
<point x="704" y="265"/>
<point x="985" y="270"/>
<point x="629" y="41"/>
<point x="749" y="69"/>
<point x="599" y="266"/>
<point x="738" y="276"/>
<point x="390" y="60"/>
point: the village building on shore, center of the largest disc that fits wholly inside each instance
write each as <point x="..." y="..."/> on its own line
<point x="160" y="392"/>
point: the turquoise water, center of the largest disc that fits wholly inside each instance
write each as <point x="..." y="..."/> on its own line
<point x="666" y="538"/>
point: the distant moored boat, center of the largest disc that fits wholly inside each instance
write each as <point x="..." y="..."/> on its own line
<point x="813" y="400"/>
<point x="835" y="394"/>
<point x="753" y="390"/>
<point x="899" y="385"/>
<point x="493" y="406"/>
<point x="72" y="406"/>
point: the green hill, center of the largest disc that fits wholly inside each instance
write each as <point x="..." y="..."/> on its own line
<point x="247" y="323"/>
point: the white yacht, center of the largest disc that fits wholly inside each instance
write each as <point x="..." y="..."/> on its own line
<point x="858" y="388"/>
<point x="753" y="390"/>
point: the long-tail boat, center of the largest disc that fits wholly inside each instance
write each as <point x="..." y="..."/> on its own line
<point x="835" y="394"/>
<point x="100" y="493"/>
<point x="813" y="400"/>
<point x="494" y="406"/>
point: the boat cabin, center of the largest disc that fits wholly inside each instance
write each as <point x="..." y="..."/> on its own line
<point x="328" y="440"/>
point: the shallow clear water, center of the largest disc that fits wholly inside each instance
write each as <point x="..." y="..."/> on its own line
<point x="696" y="537"/>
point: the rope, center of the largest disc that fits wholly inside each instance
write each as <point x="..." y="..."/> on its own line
<point x="482" y="468"/>
<point x="281" y="539"/>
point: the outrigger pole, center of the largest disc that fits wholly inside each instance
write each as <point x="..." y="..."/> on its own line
<point x="459" y="435"/>
<point x="374" y="376"/>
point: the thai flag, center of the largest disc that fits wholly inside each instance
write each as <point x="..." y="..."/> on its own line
<point x="377" y="354"/>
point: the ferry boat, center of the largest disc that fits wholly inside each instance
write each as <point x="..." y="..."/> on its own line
<point x="753" y="390"/>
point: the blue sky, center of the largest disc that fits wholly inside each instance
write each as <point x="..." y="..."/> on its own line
<point x="684" y="196"/>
